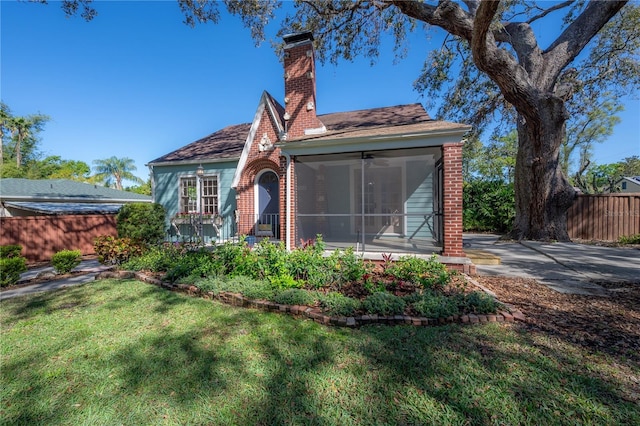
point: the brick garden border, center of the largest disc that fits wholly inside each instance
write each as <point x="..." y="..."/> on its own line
<point x="315" y="314"/>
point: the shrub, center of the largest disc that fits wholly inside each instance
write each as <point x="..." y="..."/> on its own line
<point x="489" y="206"/>
<point x="65" y="260"/>
<point x="235" y="259"/>
<point x="115" y="251"/>
<point x="142" y="222"/>
<point x="212" y="284"/>
<point x="10" y="270"/>
<point x="433" y="305"/>
<point x="252" y="288"/>
<point x="428" y="274"/>
<point x="351" y="266"/>
<point x="339" y="304"/>
<point x="631" y="239"/>
<point x="479" y="303"/>
<point x="384" y="303"/>
<point x="308" y="265"/>
<point x="12" y="250"/>
<point x="296" y="296"/>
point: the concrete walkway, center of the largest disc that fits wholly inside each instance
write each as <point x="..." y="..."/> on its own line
<point x="565" y="267"/>
<point x="89" y="269"/>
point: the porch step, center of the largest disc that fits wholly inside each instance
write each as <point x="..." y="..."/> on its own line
<point x="479" y="257"/>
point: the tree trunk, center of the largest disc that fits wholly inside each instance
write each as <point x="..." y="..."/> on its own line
<point x="543" y="194"/>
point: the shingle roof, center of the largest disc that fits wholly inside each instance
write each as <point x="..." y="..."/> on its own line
<point x="388" y="121"/>
<point x="62" y="189"/>
<point x="225" y="143"/>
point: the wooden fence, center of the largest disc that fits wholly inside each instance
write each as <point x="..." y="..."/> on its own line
<point x="42" y="236"/>
<point x="604" y="217"/>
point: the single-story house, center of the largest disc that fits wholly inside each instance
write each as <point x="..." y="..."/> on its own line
<point x="30" y="197"/>
<point x="385" y="180"/>
<point x="629" y="184"/>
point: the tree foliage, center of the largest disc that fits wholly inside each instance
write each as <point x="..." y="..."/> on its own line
<point x="606" y="178"/>
<point x="141" y="222"/>
<point x="114" y="170"/>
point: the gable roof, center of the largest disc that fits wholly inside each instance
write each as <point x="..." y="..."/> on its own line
<point x="229" y="142"/>
<point x="63" y="190"/>
<point x="226" y="143"/>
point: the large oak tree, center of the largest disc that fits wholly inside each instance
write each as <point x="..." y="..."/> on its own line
<point x="495" y="47"/>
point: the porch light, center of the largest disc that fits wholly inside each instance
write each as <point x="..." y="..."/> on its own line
<point x="200" y="171"/>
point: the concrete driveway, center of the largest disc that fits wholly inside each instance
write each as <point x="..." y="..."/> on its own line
<point x="566" y="267"/>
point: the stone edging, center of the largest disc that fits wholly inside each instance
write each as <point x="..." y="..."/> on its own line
<point x="315" y="314"/>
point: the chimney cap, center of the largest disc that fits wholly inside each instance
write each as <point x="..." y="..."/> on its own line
<point x="297" y="37"/>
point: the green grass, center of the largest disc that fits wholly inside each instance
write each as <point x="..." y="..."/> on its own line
<point x="124" y="352"/>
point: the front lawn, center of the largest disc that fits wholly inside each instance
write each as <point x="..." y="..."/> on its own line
<point x="125" y="352"/>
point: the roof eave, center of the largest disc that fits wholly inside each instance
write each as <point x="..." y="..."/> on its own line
<point x="411" y="139"/>
<point x="10" y="198"/>
<point x="200" y="161"/>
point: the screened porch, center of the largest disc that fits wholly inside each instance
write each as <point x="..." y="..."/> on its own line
<point x="374" y="201"/>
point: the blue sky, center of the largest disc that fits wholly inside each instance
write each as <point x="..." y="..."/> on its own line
<point x="136" y="82"/>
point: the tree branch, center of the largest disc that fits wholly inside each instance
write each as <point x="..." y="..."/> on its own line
<point x="499" y="65"/>
<point x="551" y="9"/>
<point x="571" y="42"/>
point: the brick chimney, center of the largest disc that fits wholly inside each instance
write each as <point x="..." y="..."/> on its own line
<point x="300" y="86"/>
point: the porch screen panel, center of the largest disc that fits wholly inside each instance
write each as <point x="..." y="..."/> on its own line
<point x="372" y="200"/>
<point x="324" y="197"/>
<point x="419" y="206"/>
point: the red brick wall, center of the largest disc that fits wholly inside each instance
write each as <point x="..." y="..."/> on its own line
<point x="258" y="161"/>
<point x="452" y="199"/>
<point x="43" y="236"/>
<point x="300" y="89"/>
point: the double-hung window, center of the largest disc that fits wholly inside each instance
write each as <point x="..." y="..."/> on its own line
<point x="199" y="195"/>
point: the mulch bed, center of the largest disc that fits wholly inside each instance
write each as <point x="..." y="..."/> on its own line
<point x="604" y="324"/>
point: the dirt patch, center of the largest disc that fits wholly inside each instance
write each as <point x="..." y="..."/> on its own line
<point x="608" y="324"/>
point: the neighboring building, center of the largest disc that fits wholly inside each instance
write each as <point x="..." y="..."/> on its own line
<point x="386" y="180"/>
<point x="49" y="215"/>
<point x="630" y="184"/>
<point x="27" y="197"/>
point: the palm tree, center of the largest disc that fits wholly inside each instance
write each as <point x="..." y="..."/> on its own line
<point x="115" y="170"/>
<point x="23" y="130"/>
<point x="6" y="123"/>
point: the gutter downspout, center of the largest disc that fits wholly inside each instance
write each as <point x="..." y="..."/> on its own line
<point x="288" y="201"/>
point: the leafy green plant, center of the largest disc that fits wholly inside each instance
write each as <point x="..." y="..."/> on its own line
<point x="142" y="222"/>
<point x="252" y="288"/>
<point x="489" y="206"/>
<point x="115" y="251"/>
<point x="11" y="250"/>
<point x="383" y="303"/>
<point x="350" y="266"/>
<point x="479" y="303"/>
<point x="338" y="304"/>
<point x="10" y="270"/>
<point x="309" y="265"/>
<point x="212" y="284"/>
<point x="429" y="274"/>
<point x="295" y="296"/>
<point x="631" y="239"/>
<point x="235" y="259"/>
<point x="65" y="260"/>
<point x="432" y="305"/>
